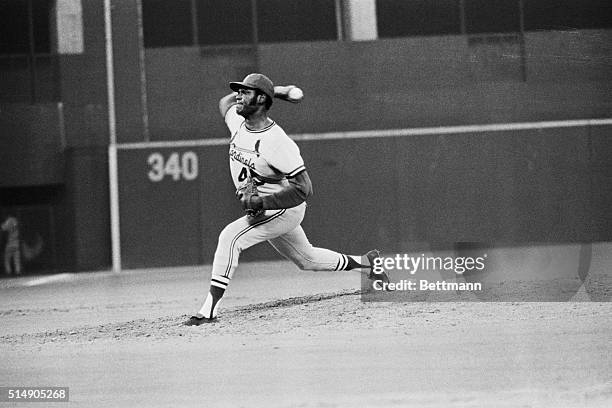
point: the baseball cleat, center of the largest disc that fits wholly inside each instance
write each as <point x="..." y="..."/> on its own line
<point x="198" y="320"/>
<point x="382" y="276"/>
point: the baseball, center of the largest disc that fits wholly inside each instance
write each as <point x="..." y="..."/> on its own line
<point x="295" y="94"/>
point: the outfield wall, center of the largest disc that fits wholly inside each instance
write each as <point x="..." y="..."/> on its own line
<point x="390" y="83"/>
<point x="370" y="85"/>
<point x="507" y="187"/>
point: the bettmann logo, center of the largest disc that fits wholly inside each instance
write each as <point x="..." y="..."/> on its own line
<point x="424" y="284"/>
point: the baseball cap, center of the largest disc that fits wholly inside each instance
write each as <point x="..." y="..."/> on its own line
<point x="255" y="81"/>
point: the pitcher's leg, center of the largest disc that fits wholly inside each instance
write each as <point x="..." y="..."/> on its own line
<point x="295" y="246"/>
<point x="235" y="238"/>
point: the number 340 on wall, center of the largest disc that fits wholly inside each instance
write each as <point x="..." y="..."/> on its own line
<point x="178" y="166"/>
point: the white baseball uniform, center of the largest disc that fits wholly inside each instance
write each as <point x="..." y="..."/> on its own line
<point x="270" y="156"/>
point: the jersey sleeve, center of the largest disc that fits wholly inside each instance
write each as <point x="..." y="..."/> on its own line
<point x="283" y="154"/>
<point x="233" y="120"/>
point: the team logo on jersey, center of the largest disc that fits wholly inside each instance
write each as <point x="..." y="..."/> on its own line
<point x="238" y="156"/>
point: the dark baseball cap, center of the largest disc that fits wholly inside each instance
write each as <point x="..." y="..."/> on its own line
<point x="255" y="81"/>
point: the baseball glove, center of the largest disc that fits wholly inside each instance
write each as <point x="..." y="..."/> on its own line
<point x="249" y="198"/>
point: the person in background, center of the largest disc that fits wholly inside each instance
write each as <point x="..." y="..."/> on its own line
<point x="12" y="253"/>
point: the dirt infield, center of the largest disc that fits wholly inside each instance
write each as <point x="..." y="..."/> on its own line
<point x="307" y="341"/>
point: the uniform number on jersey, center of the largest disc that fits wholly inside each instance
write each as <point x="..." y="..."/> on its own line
<point x="244" y="173"/>
<point x="177" y="166"/>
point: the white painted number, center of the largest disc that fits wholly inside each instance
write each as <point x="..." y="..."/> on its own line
<point x="156" y="161"/>
<point x="172" y="167"/>
<point x="177" y="166"/>
<point x="189" y="162"/>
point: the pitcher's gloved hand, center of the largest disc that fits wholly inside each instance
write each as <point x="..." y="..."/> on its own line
<point x="249" y="198"/>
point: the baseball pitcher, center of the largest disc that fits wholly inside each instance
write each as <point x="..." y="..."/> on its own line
<point x="272" y="185"/>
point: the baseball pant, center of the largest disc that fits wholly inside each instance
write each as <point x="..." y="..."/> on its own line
<point x="282" y="229"/>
